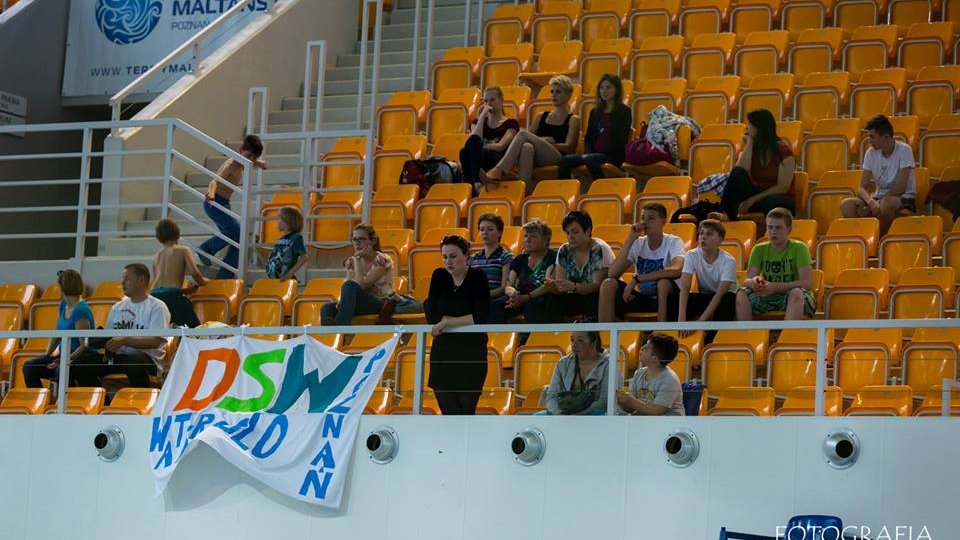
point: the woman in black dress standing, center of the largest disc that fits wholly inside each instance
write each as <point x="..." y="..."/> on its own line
<point x="459" y="295"/>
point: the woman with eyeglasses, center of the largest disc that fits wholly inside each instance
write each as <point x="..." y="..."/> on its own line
<point x="459" y="295"/>
<point x="369" y="280"/>
<point x="582" y="265"/>
<point x="74" y="314"/>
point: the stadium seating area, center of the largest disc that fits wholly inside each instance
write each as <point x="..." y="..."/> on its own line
<point x="822" y="68"/>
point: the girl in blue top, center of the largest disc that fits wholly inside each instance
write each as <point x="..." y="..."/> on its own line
<point x="75" y="314"/>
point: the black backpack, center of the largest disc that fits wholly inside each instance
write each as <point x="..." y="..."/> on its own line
<point x="430" y="171"/>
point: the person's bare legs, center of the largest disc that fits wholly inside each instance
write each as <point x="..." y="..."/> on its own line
<point x="526" y="162"/>
<point x="888" y="212"/>
<point x="509" y="159"/>
<point x="852" y="207"/>
<point x="794" y="311"/>
<point x="744" y="309"/>
<point x="606" y="311"/>
<point x="664" y="288"/>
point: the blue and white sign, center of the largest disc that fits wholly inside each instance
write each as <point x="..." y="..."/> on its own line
<point x="112" y="42"/>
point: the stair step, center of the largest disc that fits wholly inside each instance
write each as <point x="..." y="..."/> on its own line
<point x="274" y="175"/>
<point x="277" y="160"/>
<point x="388" y="58"/>
<point x="405" y="46"/>
<point x="353" y="73"/>
<point x="453" y="26"/>
<point x="336" y="102"/>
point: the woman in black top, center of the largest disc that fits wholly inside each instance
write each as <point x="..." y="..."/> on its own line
<point x="553" y="136"/>
<point x="489" y="138"/>
<point x="607" y="131"/>
<point x="459" y="295"/>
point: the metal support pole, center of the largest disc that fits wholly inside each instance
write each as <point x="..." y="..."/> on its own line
<point x="242" y="263"/>
<point x="820" y="396"/>
<point x="167" y="172"/>
<point x="364" y="36"/>
<point x="63" y="378"/>
<point x="612" y="370"/>
<point x="479" y="22"/>
<point x="307" y="86"/>
<point x="428" y="46"/>
<point x="308" y="83"/>
<point x="367" y="200"/>
<point x="416" y="45"/>
<point x="466" y="24"/>
<point x="945" y="398"/>
<point x="375" y="74"/>
<point x="421" y="337"/>
<point x="82" y="193"/>
<point x="321" y="84"/>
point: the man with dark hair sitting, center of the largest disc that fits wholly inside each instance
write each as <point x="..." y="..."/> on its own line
<point x="137" y="357"/>
<point x="655" y="389"/>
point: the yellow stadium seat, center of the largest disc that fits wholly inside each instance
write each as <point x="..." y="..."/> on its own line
<point x="449" y="146"/>
<point x="51" y="292"/>
<point x="799" y="16"/>
<point x="25" y="401"/>
<point x="849" y="242"/>
<point x="444" y="206"/>
<point x="739" y="240"/>
<point x="556" y="58"/>
<point x="458" y="68"/>
<point x="609" y="200"/>
<point x="381" y="401"/>
<point x="851" y="15"/>
<point x="532" y="402"/>
<point x="403" y="114"/>
<point x="603" y="19"/>
<point x="501" y="346"/>
<point x="792" y="131"/>
<point x="872" y="47"/>
<point x="392" y="206"/>
<point x="830" y="146"/>
<point x="858" y="294"/>
<point x="715" y="150"/>
<point x="452" y="113"/>
<point x="933" y="92"/>
<point x="503" y="200"/>
<point x="805" y="230"/>
<point x="938" y="145"/>
<point x="652" y="18"/>
<point x="218" y="300"/>
<point x="951" y="11"/>
<point x="750" y="16"/>
<point x="865" y="356"/>
<point x="43" y="316"/>
<point x="334" y="217"/>
<point x="744" y="401"/>
<point x="689" y="353"/>
<point x="732" y="358"/>
<point x="685" y="231"/>
<point x="882" y="401"/>
<point x="550" y="201"/>
<point x="792" y="361"/>
<point x="824" y="200"/>
<point x="703" y="17"/>
<point x="544" y="103"/>
<point x="534" y="362"/>
<point x="674" y="192"/>
<point x="132" y="401"/>
<point x="396" y="243"/>
<point x="801" y="401"/>
<point x="815" y="50"/>
<point x="388" y="161"/>
<point x="771" y="92"/>
<point x="516" y="99"/>
<point x="556" y="21"/>
<point x="657" y="58"/>
<point x="428" y="404"/>
<point x="82" y="400"/>
<point x="923" y="293"/>
<point x="712" y="99"/>
<point x="912" y="241"/>
<point x="926" y="44"/>
<point x="424" y="257"/>
<point x="505" y="63"/>
<point x="307" y="305"/>
<point x="906" y="13"/>
<point x="950" y="247"/>
<point x="655" y="92"/>
<point x="710" y="54"/>
<point x="932" y="404"/>
<point x="497" y="401"/>
<point x="929" y="358"/>
<point x="267" y="303"/>
<point x="269" y="233"/>
<point x="821" y="96"/>
<point x="878" y="92"/>
<point x="761" y="54"/>
<point x="348" y="151"/>
<point x="602" y="57"/>
<point x="507" y="26"/>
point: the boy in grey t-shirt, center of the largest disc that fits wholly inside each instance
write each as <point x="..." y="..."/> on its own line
<point x="655" y="389"/>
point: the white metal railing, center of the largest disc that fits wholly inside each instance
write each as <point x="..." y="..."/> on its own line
<point x="194" y="43"/>
<point x="176" y="165"/>
<point x="420" y="332"/>
<point x="375" y="72"/>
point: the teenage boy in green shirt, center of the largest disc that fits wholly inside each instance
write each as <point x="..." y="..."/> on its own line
<point x="779" y="277"/>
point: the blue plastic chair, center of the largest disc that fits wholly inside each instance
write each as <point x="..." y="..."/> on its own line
<point x="814" y="527"/>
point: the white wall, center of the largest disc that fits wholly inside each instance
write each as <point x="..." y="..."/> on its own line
<point x="455" y="478"/>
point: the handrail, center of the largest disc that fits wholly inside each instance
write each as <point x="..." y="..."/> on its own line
<point x="116" y="101"/>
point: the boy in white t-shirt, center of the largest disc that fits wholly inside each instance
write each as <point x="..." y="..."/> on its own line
<point x="716" y="272"/>
<point x="890" y="164"/>
<point x="137" y="357"/>
<point x="658" y="258"/>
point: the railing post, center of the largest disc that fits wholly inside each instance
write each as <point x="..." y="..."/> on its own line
<point x="821" y="388"/>
<point x="428" y="46"/>
<point x="479" y="22"/>
<point x="167" y="172"/>
<point x="367" y="200"/>
<point x="364" y="36"/>
<point x="242" y="263"/>
<point x="421" y="337"/>
<point x="321" y="83"/>
<point x="416" y="45"/>
<point x="82" y="194"/>
<point x="63" y="377"/>
<point x="613" y="367"/>
<point x="375" y="74"/>
<point x="466" y="24"/>
<point x="945" y="397"/>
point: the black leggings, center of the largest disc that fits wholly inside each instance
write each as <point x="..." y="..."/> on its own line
<point x="739" y="188"/>
<point x="474" y="157"/>
<point x="594" y="163"/>
<point x="457" y="403"/>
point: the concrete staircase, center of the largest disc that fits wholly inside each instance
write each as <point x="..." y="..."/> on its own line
<point x="340" y="108"/>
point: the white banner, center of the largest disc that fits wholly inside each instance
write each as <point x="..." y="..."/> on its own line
<point x="112" y="42"/>
<point x="286" y="413"/>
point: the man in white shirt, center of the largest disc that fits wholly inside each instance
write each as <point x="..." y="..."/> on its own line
<point x="137" y="357"/>
<point x="658" y="258"/>
<point x="716" y="272"/>
<point x="889" y="163"/>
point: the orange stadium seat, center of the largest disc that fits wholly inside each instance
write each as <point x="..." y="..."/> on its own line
<point x="933" y="92"/>
<point x="380" y="402"/>
<point x="428" y="404"/>
<point x="715" y="150"/>
<point x="507" y="26"/>
<point x="497" y="401"/>
<point x="458" y="68"/>
<point x="799" y="16"/>
<point x="815" y="50"/>
<point x="938" y="145"/>
<point x="905" y="13"/>
<point x="550" y="201"/>
<point x="132" y="401"/>
<point x="534" y="362"/>
<point x="926" y="44"/>
<point x="912" y="241"/>
<point x="424" y="257"/>
<point x="744" y="401"/>
<point x="503" y="200"/>
<point x="603" y="19"/>
<point x="609" y="200"/>
<point x="656" y="58"/>
<point x="556" y="58"/>
<point x="712" y="99"/>
<point x="555" y="21"/>
<point x="656" y="92"/>
<point x="334" y="217"/>
<point x="929" y="358"/>
<point x="932" y="404"/>
<point x="452" y="113"/>
<point x="865" y="356"/>
<point x="396" y="243"/>
<point x="821" y="96"/>
<point x="923" y="293"/>
<point x="878" y="92"/>
<point x="792" y="361"/>
<point x="403" y="114"/>
<point x="218" y="300"/>
<point x="761" y="54"/>
<point x="348" y="151"/>
<point x="25" y="401"/>
<point x="267" y="303"/>
<point x="516" y="99"/>
<point x="449" y="145"/>
<point x="533" y="402"/>
<point x="750" y="16"/>
<point x="703" y="17"/>
<point x="392" y="206"/>
<point x="652" y="18"/>
<point x="824" y="200"/>
<point x="772" y="92"/>
<point x="801" y="401"/>
<point x="858" y="294"/>
<point x="851" y="15"/>
<point x="732" y="358"/>
<point x="674" y="192"/>
<point x="504" y="65"/>
<point x="685" y="231"/>
<point x="880" y="400"/>
<point x="444" y="206"/>
<point x="603" y="56"/>
<point x="830" y="146"/>
<point x="82" y="400"/>
<point x="710" y="54"/>
<point x="388" y="161"/>
<point x="739" y="240"/>
<point x="848" y="244"/>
